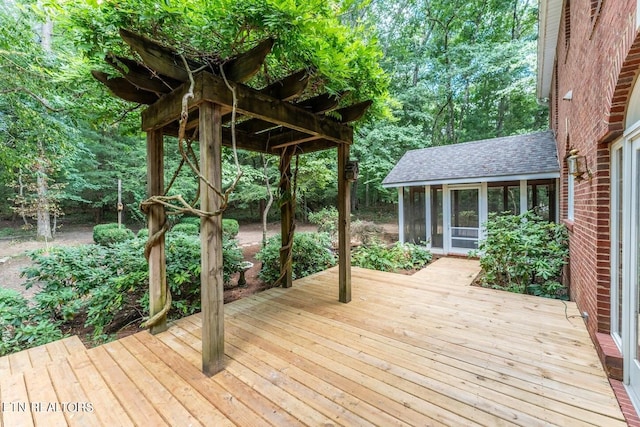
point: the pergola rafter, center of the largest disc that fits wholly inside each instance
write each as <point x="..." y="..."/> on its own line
<point x="270" y="120"/>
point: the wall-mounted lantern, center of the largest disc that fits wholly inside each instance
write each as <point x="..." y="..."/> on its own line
<point x="351" y="170"/>
<point x="577" y="165"/>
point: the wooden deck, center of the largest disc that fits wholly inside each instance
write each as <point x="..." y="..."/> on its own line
<point x="405" y="351"/>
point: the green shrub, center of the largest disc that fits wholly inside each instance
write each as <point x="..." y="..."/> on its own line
<point x="195" y="220"/>
<point x="21" y="326"/>
<point x="191" y="225"/>
<point x="186" y="228"/>
<point x="109" y="284"/>
<point x="524" y="254"/>
<point x="401" y="256"/>
<point x="230" y="227"/>
<point x="109" y="234"/>
<point x="311" y="253"/>
<point x="326" y="219"/>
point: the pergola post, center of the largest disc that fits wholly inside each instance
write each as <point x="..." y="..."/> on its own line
<point x="211" y="286"/>
<point x="344" y="226"/>
<point x="155" y="220"/>
<point x="287" y="206"/>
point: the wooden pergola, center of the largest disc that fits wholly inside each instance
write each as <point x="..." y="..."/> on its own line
<point x="271" y="121"/>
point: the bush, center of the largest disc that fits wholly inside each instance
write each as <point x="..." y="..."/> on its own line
<point x="230" y="227"/>
<point x="23" y="327"/>
<point x="195" y="220"/>
<point x="109" y="234"/>
<point x="311" y="253"/>
<point x="326" y="219"/>
<point x="98" y="229"/>
<point x="186" y="228"/>
<point x="524" y="254"/>
<point x="401" y="256"/>
<point x="109" y="285"/>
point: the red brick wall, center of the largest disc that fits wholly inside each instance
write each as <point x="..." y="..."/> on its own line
<point x="599" y="65"/>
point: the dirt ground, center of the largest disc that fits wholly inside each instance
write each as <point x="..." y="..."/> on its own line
<point x="14" y="258"/>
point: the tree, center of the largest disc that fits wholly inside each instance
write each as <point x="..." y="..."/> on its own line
<point x="460" y="70"/>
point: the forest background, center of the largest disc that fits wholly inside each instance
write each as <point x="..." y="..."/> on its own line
<point x="440" y="72"/>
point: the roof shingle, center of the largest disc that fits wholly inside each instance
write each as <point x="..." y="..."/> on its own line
<point x="477" y="160"/>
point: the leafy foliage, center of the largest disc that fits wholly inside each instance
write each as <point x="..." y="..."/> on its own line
<point x="112" y="233"/>
<point x="23" y="326"/>
<point x="401" y="256"/>
<point x="524" y="254"/>
<point x="108" y="285"/>
<point x="311" y="253"/>
<point x="230" y="227"/>
<point x="186" y="228"/>
<point x="327" y="221"/>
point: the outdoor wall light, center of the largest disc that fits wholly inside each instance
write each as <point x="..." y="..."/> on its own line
<point x="577" y="165"/>
<point x="351" y="170"/>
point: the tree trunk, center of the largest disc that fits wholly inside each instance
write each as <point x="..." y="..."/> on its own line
<point x="46" y="35"/>
<point x="43" y="215"/>
<point x="23" y="208"/>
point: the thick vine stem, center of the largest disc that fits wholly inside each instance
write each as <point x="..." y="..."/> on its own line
<point x="176" y="205"/>
<point x="288" y="249"/>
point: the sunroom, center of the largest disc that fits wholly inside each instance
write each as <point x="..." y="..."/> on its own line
<point x="446" y="193"/>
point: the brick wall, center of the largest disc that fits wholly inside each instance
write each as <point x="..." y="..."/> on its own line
<point x="599" y="64"/>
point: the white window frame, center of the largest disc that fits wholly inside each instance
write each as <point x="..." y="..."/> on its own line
<point x="614" y="229"/>
<point x="571" y="183"/>
<point x="401" y="214"/>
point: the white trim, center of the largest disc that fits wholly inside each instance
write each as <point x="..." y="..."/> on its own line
<point x="476" y="180"/>
<point x="446" y="219"/>
<point x="637" y="14"/>
<point x="632" y="130"/>
<point x="401" y="214"/>
<point x="630" y="269"/>
<point x="557" y="191"/>
<point x="614" y="232"/>
<point x="524" y="205"/>
<point x="483" y="215"/>
<point x="451" y="249"/>
<point x="571" y="193"/>
<point x="549" y="15"/>
<point x="427" y="214"/>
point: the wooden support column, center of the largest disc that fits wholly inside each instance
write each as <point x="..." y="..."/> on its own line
<point x="287" y="206"/>
<point x="155" y="221"/>
<point x="211" y="284"/>
<point x="344" y="226"/>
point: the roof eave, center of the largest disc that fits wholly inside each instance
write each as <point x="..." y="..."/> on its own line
<point x="478" y="179"/>
<point x="549" y="13"/>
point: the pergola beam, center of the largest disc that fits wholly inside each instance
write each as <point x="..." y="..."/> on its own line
<point x="159" y="58"/>
<point x="249" y="102"/>
<point x="269" y="123"/>
<point x="141" y="76"/>
<point x="124" y="89"/>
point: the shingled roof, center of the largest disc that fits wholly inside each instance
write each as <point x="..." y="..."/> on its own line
<point x="532" y="156"/>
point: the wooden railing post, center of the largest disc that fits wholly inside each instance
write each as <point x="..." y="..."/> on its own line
<point x="211" y="286"/>
<point x="155" y="221"/>
<point x="344" y="226"/>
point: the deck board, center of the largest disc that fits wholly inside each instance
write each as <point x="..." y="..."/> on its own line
<point x="407" y="350"/>
<point x="408" y="365"/>
<point x="40" y="355"/>
<point x="14" y="399"/>
<point x="104" y="404"/>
